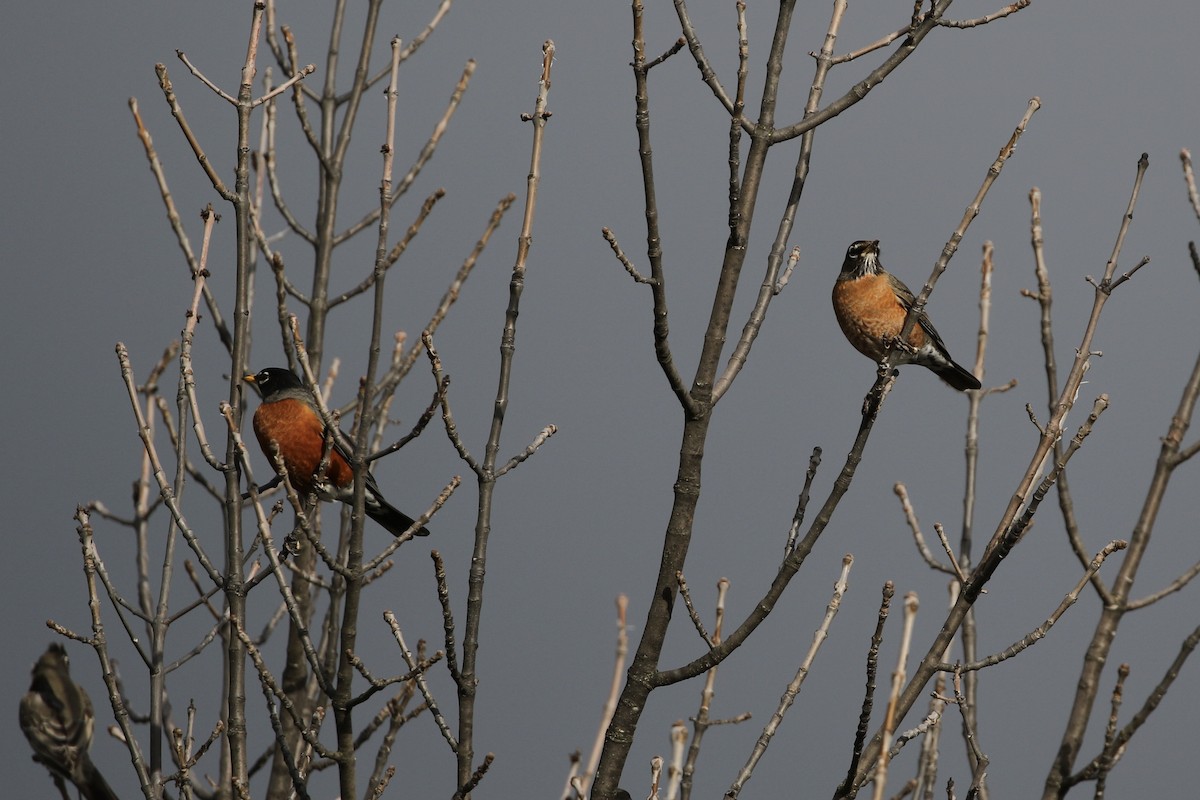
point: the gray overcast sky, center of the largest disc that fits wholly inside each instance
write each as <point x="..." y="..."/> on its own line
<point x="91" y="261"/>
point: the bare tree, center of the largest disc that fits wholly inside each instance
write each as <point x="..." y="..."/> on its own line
<point x="711" y="379"/>
<point x="1117" y="597"/>
<point x="321" y="573"/>
<point x="716" y="369"/>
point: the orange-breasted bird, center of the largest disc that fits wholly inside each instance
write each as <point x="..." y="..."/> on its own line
<point x="871" y="304"/>
<point x="288" y="416"/>
<point x="56" y="717"/>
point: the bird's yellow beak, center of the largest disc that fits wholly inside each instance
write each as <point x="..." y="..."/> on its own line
<point x="249" y="379"/>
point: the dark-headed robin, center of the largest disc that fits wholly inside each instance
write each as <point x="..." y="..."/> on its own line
<point x="288" y="416"/>
<point x="871" y="304"/>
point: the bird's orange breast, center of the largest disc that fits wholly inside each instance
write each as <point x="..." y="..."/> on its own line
<point x="871" y="315"/>
<point x="300" y="435"/>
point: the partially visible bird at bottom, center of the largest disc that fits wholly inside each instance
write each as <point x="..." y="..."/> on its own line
<point x="56" y="717"/>
<point x="871" y="304"/>
<point x="289" y="417"/>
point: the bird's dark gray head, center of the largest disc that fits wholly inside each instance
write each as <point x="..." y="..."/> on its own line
<point x="862" y="258"/>
<point x="272" y="380"/>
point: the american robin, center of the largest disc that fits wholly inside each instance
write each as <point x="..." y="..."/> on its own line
<point x="288" y="417"/>
<point x="871" y="304"/>
<point x="56" y="717"/>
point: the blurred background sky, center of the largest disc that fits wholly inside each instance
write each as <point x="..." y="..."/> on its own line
<point x="92" y="261"/>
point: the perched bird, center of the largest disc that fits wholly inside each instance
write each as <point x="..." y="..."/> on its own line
<point x="57" y="718"/>
<point x="871" y="304"/>
<point x="288" y="417"/>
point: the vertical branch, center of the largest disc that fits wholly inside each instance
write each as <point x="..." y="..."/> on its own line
<point x="1189" y="179"/>
<point x="486" y="473"/>
<point x="1110" y="731"/>
<point x="974" y="401"/>
<point x="1045" y="293"/>
<point x="582" y="783"/>
<point x="701" y="722"/>
<point x="848" y="787"/>
<point x="894" y="715"/>
<point x="159" y="618"/>
<point x="365" y="417"/>
<point x="157" y="622"/>
<point x="927" y="762"/>
<point x="99" y="642"/>
<point x="334" y="143"/>
<point x="234" y="578"/>
<point x="654" y="254"/>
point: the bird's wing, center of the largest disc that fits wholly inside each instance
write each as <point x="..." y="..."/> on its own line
<point x="372" y="486"/>
<point x="907" y="298"/>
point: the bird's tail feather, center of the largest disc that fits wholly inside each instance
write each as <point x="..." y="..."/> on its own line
<point x="395" y="521"/>
<point x="955" y="375"/>
<point x="92" y="785"/>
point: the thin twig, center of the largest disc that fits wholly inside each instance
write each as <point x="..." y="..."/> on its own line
<point x="701" y="722"/>
<point x="168" y="90"/>
<point x="423" y="157"/>
<point x="419" y="678"/>
<point x="978" y="758"/>
<point x="1110" y="731"/>
<point x="405" y="364"/>
<point x="1039" y="633"/>
<point x="893" y="716"/>
<point x="940" y="530"/>
<point x="848" y="787"/>
<point x="583" y="785"/>
<point x="307" y="70"/>
<point x="611" y="238"/>
<point x="814" y="461"/>
<point x="793" y="688"/>
<point x="910" y="516"/>
<point x="156" y="168"/>
<point x="204" y="79"/>
<point x="1189" y="178"/>
<point x="1011" y="8"/>
<point x="951" y="246"/>
<point x="686" y="595"/>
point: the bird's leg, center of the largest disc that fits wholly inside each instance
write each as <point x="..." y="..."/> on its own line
<point x="326" y="455"/>
<point x="898" y="344"/>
